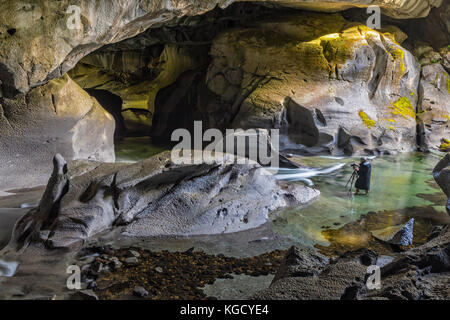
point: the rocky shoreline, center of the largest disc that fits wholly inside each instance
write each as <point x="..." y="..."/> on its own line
<point x="131" y="273"/>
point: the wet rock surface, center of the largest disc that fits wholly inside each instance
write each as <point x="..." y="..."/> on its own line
<point x="434" y="107"/>
<point x="399" y="235"/>
<point x="330" y="283"/>
<point x="363" y="232"/>
<point x="416" y="274"/>
<point x="56" y="117"/>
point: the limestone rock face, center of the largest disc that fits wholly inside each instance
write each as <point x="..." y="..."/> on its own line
<point x="136" y="75"/>
<point x="154" y="197"/>
<point x="56" y="117"/>
<point x="434" y="107"/>
<point x="39" y="41"/>
<point x="330" y="86"/>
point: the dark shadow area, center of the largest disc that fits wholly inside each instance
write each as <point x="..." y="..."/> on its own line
<point x="113" y="104"/>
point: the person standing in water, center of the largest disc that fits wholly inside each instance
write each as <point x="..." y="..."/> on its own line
<point x="364" y="170"/>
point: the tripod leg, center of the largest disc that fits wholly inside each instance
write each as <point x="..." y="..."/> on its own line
<point x="353" y="177"/>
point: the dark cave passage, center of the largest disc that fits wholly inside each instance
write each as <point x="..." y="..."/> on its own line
<point x="113" y="104"/>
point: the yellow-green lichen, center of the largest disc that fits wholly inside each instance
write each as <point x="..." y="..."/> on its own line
<point x="445" y="145"/>
<point x="398" y="55"/>
<point x="447" y="81"/>
<point x="366" y="120"/>
<point x="403" y="107"/>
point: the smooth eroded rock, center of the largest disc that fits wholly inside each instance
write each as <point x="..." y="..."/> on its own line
<point x="154" y="197"/>
<point x="57" y="117"/>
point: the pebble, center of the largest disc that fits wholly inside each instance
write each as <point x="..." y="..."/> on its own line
<point x="159" y="269"/>
<point x="115" y="263"/>
<point x="132" y="261"/>
<point x="133" y="253"/>
<point x="97" y="266"/>
<point x="140" y="292"/>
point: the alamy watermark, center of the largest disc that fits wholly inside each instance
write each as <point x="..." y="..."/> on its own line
<point x="374" y="20"/>
<point x="74" y="20"/>
<point x="373" y="282"/>
<point x="74" y="280"/>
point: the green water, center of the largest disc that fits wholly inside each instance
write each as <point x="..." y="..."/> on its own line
<point x="398" y="182"/>
<point x="135" y="149"/>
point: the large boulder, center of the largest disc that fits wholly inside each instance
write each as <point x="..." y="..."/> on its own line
<point x="154" y="197"/>
<point x="313" y="277"/>
<point x="441" y="174"/>
<point x="400" y="235"/>
<point x="422" y="273"/>
<point x="56" y="117"/>
<point x="331" y="86"/>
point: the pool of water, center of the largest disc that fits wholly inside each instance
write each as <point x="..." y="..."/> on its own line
<point x="398" y="182"/>
<point x="135" y="149"/>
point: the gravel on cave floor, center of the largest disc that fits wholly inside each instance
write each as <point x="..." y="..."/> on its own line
<point x="169" y="275"/>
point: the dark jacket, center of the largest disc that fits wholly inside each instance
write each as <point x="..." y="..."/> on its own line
<point x="363" y="182"/>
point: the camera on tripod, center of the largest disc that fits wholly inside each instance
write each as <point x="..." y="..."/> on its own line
<point x="353" y="177"/>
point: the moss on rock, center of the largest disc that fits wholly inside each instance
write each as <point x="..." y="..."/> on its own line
<point x="403" y="107"/>
<point x="366" y="120"/>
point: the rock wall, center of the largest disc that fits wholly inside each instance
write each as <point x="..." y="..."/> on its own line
<point x="434" y="92"/>
<point x="329" y="85"/>
<point x="57" y="117"/>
